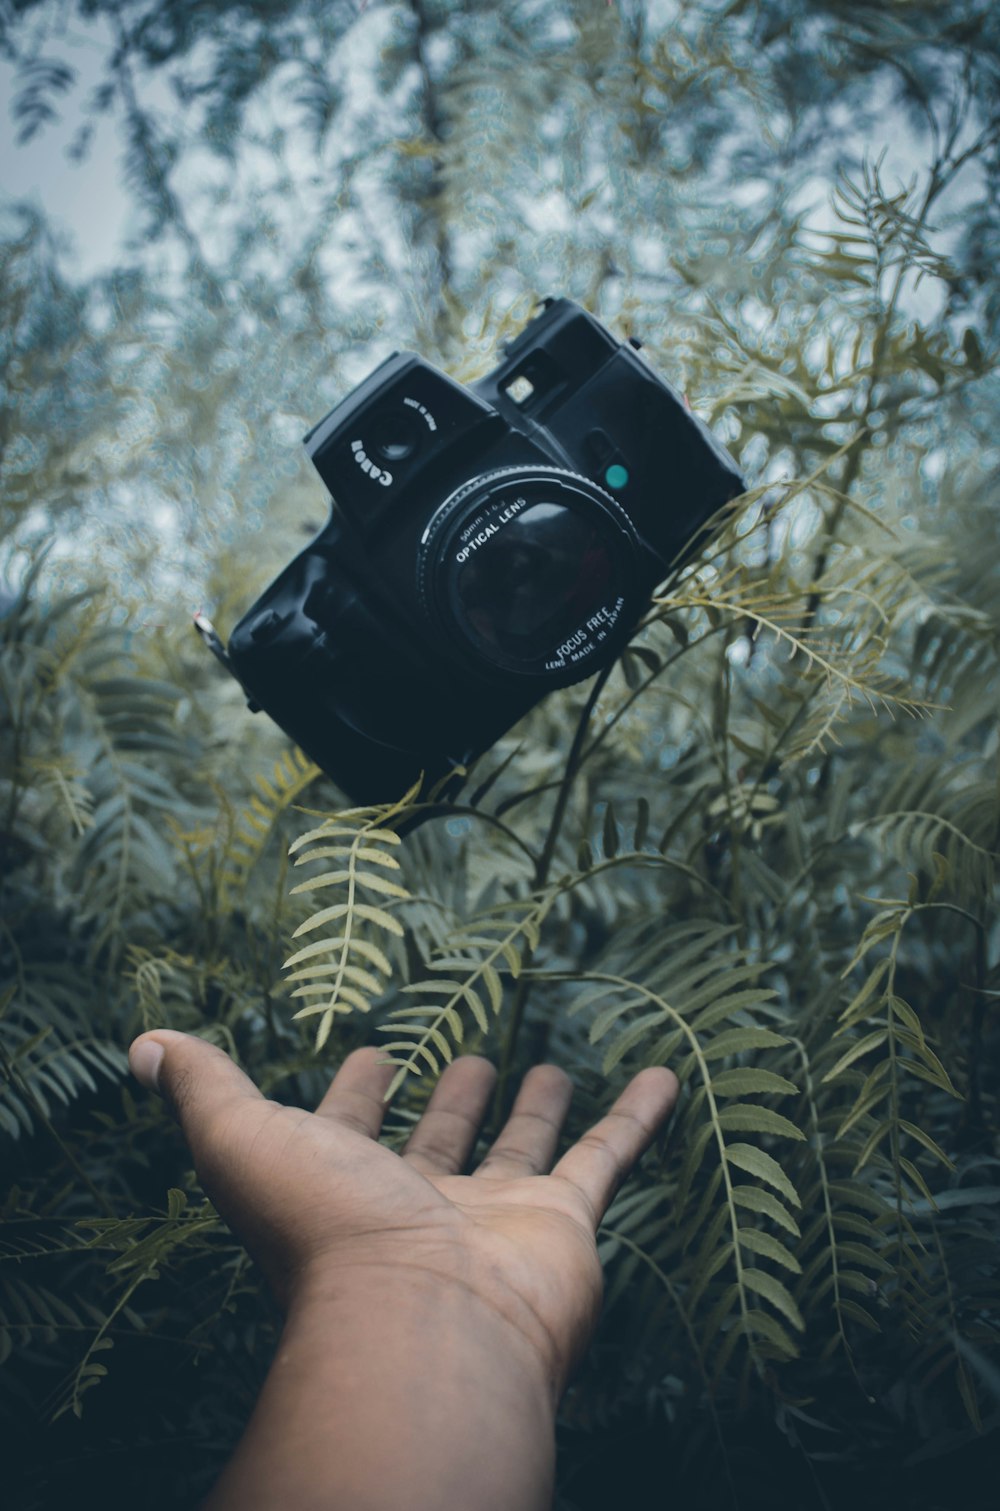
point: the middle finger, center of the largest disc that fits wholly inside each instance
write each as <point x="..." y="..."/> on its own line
<point x="527" y="1142"/>
<point x="441" y="1142"/>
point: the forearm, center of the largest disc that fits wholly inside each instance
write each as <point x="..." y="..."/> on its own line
<point x="398" y="1394"/>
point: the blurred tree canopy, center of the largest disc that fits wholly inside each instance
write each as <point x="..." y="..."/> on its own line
<point x="762" y="850"/>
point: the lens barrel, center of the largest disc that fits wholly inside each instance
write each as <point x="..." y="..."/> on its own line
<point x="531" y="571"/>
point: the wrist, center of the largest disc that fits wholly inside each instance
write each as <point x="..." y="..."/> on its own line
<point x="402" y="1307"/>
<point x="390" y="1387"/>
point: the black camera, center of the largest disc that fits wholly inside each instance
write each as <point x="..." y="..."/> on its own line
<point x="486" y="545"/>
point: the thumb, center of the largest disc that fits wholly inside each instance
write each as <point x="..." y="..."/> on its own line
<point x="196" y="1079"/>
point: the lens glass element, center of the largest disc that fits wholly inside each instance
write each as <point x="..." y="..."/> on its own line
<point x="532" y="571"/>
<point x="535" y="581"/>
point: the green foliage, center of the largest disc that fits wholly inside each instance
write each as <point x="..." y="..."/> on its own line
<point x="339" y="982"/>
<point x="762" y="849"/>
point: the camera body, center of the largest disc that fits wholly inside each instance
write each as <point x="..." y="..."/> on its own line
<point x="487" y="544"/>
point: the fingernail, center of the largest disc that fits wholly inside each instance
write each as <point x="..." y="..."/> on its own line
<point x="144" y="1062"/>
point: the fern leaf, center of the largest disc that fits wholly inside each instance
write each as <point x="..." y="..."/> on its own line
<point x="757" y="1162"/>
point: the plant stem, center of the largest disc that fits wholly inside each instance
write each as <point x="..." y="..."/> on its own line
<point x="852" y="466"/>
<point x="541" y="876"/>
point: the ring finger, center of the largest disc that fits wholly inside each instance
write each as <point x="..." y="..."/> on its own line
<point x="442" y="1140"/>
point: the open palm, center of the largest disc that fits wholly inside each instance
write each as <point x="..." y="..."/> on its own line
<point x="315" y="1194"/>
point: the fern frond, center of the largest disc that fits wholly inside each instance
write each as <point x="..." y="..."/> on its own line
<point x="726" y="1231"/>
<point x="954" y="842"/>
<point x="142" y="1246"/>
<point x="47" y="1058"/>
<point x="470" y="972"/>
<point x="862" y="681"/>
<point x="894" y="1032"/>
<point x="34" y="1315"/>
<point x="290" y="778"/>
<point x="335" y="974"/>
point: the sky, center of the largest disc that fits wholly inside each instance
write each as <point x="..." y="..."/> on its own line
<point x="87" y="199"/>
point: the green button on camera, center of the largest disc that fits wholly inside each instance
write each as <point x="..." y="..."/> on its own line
<point x="616" y="476"/>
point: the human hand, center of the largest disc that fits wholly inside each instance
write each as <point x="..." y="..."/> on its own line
<point x="322" y="1205"/>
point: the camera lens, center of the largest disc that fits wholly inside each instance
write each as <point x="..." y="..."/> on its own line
<point x="533" y="584"/>
<point x="395" y="436"/>
<point x="535" y="570"/>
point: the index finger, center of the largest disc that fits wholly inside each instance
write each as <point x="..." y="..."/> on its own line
<point x="600" y="1161"/>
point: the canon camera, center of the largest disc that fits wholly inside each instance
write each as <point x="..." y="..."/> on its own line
<point x="487" y="544"/>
